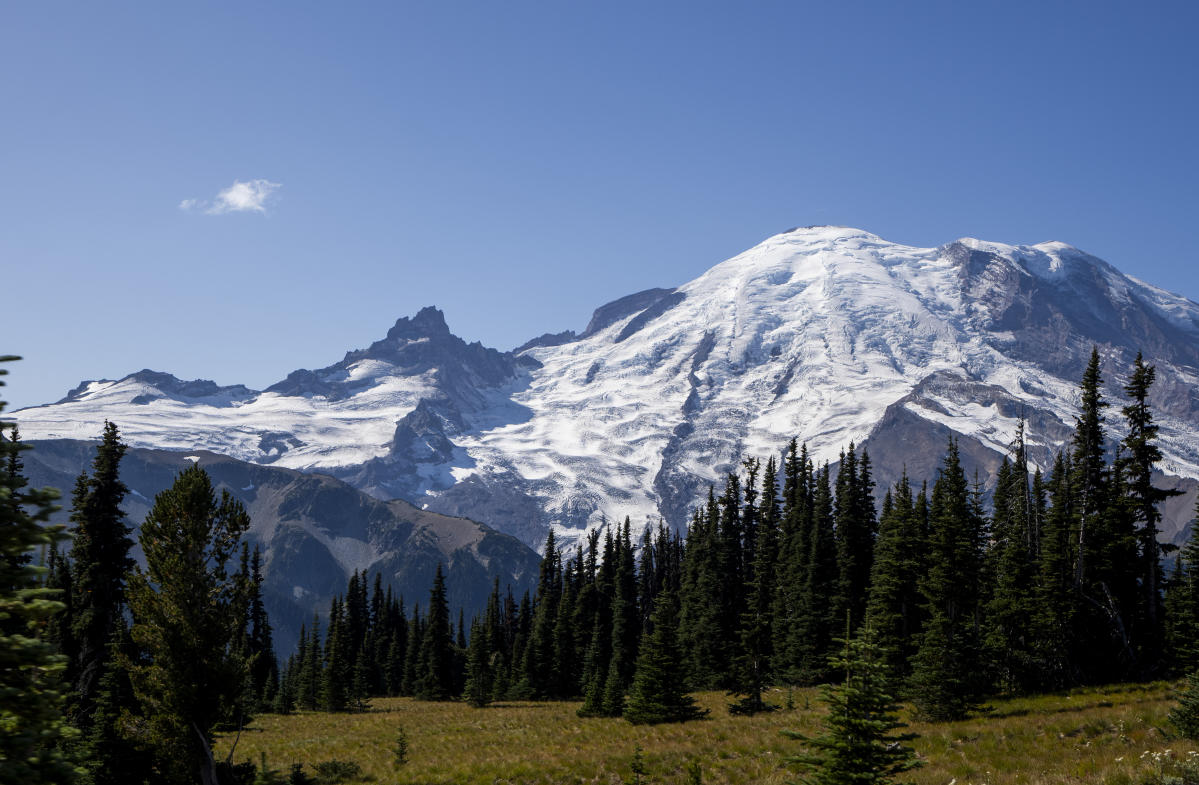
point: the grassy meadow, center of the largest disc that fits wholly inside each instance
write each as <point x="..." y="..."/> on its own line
<point x="1115" y="735"/>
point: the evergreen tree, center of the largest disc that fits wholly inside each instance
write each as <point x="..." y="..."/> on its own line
<point x="1053" y="623"/>
<point x="264" y="667"/>
<point x="1011" y="605"/>
<point x="412" y="658"/>
<point x="185" y="617"/>
<point x="1182" y="598"/>
<point x="31" y="700"/>
<point x="792" y="569"/>
<point x="624" y="628"/>
<point x="335" y="684"/>
<point x="893" y="608"/>
<point x="657" y="694"/>
<point x="110" y="754"/>
<point x="700" y="628"/>
<point x="1185" y="716"/>
<point x="815" y="627"/>
<point x="854" y="531"/>
<point x="751" y="666"/>
<point x="946" y="678"/>
<point x="100" y="563"/>
<point x="478" y="691"/>
<point x="858" y="745"/>
<point x="435" y="675"/>
<point x="1141" y="457"/>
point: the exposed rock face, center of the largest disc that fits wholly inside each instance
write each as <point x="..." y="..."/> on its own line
<point x="315" y="531"/>
<point x="829" y="334"/>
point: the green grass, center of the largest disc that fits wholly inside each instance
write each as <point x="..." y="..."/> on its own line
<point x="1097" y="735"/>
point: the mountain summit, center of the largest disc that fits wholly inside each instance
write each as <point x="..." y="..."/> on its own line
<point x="828" y="334"/>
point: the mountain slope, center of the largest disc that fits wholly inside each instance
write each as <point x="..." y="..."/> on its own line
<point x="315" y="531"/>
<point x="828" y="334"/>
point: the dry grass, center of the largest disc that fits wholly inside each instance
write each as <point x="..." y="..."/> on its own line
<point x="1089" y="736"/>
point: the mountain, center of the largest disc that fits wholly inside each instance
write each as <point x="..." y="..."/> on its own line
<point x="829" y="334"/>
<point x="315" y="531"/>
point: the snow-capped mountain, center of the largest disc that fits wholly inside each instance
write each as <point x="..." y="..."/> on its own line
<point x="828" y="334"/>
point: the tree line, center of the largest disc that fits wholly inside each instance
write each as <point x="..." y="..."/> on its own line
<point x="1059" y="583"/>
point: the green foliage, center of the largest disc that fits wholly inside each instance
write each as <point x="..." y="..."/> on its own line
<point x="400" y="750"/>
<point x="100" y="564"/>
<point x="858" y="744"/>
<point x="1185" y="716"/>
<point x="658" y="694"/>
<point x="946" y="679"/>
<point x="187" y="616"/>
<point x="334" y="772"/>
<point x="434" y="679"/>
<point x="637" y="768"/>
<point x="32" y="729"/>
<point x="265" y="775"/>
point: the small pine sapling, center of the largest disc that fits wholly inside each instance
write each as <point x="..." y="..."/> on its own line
<point x="858" y="744"/>
<point x="400" y="750"/>
<point x="637" y="768"/>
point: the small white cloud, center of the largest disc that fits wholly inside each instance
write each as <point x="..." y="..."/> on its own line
<point x="248" y="197"/>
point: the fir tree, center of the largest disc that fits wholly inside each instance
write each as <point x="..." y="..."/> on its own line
<point x="657" y="694"/>
<point x="335" y="684"/>
<point x="893" y="608"/>
<point x="751" y="665"/>
<point x="858" y="744"/>
<point x="185" y="617"/>
<point x="1185" y="716"/>
<point x="1012" y="570"/>
<point x="31" y="700"/>
<point x="1141" y="457"/>
<point x="946" y="679"/>
<point x="700" y="628"/>
<point x="435" y="676"/>
<point x="100" y="563"/>
<point x="1053" y="622"/>
<point x="478" y="691"/>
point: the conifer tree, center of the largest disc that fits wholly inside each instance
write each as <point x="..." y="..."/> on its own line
<point x="700" y="628"/>
<point x="1011" y="605"/>
<point x="792" y="569"/>
<point x="855" y="524"/>
<point x="893" y="607"/>
<point x="264" y="667"/>
<point x="858" y="744"/>
<point x="185" y="609"/>
<point x="1141" y="457"/>
<point x="1056" y="596"/>
<point x="624" y="628"/>
<point x="478" y="691"/>
<point x="816" y="621"/>
<point x="1183" y="604"/>
<point x="100" y="563"/>
<point x="657" y="694"/>
<point x="31" y="699"/>
<point x="751" y="666"/>
<point x="1185" y="716"/>
<point x="435" y="676"/>
<point x="337" y="673"/>
<point x="412" y="657"/>
<point x="945" y="678"/>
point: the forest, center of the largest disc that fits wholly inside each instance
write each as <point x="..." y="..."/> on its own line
<point x="943" y="597"/>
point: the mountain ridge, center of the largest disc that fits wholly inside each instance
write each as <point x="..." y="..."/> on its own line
<point x="829" y="334"/>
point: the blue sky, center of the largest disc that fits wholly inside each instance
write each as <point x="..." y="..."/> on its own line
<point x="518" y="164"/>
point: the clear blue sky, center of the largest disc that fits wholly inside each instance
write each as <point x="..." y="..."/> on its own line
<point x="519" y="164"/>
